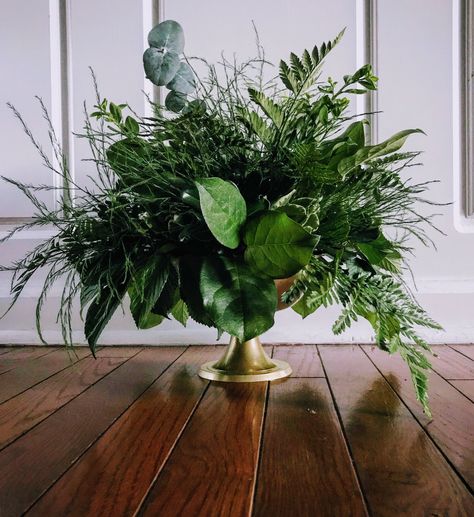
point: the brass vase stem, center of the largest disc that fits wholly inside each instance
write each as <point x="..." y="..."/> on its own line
<point x="245" y="362"/>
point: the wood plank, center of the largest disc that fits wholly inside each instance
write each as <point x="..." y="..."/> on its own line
<point x="451" y="364"/>
<point x="467" y="350"/>
<point x="212" y="469"/>
<point x="303" y="359"/>
<point x="16" y="381"/>
<point x="452" y="426"/>
<point x="21" y="356"/>
<point x="466" y="388"/>
<point x="118" y="351"/>
<point x="305" y="467"/>
<point x="31" y="464"/>
<point x="133" y="450"/>
<point x="5" y="350"/>
<point x="400" y="469"/>
<point x="24" y="411"/>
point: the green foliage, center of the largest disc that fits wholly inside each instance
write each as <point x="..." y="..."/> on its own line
<point x="276" y="245"/>
<point x="231" y="183"/>
<point x="223" y="208"/>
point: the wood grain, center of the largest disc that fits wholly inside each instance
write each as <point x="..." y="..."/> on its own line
<point x="31" y="464"/>
<point x="466" y="388"/>
<point x="450" y="364"/>
<point x="305" y="465"/>
<point x="303" y="359"/>
<point x="20" y="356"/>
<point x="400" y="469"/>
<point x="467" y="350"/>
<point x="133" y="450"/>
<point x="16" y="381"/>
<point x="212" y="469"/>
<point x="24" y="411"/>
<point x="452" y="426"/>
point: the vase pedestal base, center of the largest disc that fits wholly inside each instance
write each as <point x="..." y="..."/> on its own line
<point x="245" y="362"/>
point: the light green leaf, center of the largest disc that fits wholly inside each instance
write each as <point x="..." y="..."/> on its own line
<point x="277" y="246"/>
<point x="394" y="143"/>
<point x="167" y="35"/>
<point x="223" y="208"/>
<point x="239" y="301"/>
<point x="180" y="312"/>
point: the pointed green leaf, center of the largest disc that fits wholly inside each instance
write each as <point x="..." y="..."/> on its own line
<point x="223" y="208"/>
<point x="394" y="143"/>
<point x="277" y="246"/>
<point x="180" y="312"/>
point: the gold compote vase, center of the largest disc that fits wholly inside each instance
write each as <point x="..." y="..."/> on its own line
<point x="247" y="361"/>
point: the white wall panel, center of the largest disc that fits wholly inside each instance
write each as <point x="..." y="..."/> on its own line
<point x="213" y="26"/>
<point x="25" y="71"/>
<point x="415" y="68"/>
<point x="106" y="35"/>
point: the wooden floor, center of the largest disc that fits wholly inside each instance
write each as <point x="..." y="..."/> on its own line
<point x="136" y="432"/>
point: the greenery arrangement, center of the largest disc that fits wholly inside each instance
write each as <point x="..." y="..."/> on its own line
<point x="232" y="183"/>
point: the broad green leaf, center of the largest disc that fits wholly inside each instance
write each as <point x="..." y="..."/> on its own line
<point x="180" y="312"/>
<point x="381" y="252"/>
<point x="160" y="67"/>
<point x="146" y="289"/>
<point x="183" y="81"/>
<point x="151" y="320"/>
<point x="277" y="246"/>
<point x="394" y="143"/>
<point x="189" y="275"/>
<point x="303" y="306"/>
<point x="223" y="208"/>
<point x="167" y="35"/>
<point x="239" y="301"/>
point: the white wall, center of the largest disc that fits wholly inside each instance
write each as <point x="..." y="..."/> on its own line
<point x="414" y="59"/>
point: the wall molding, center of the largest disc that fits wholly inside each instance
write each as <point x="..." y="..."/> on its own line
<point x="367" y="52"/>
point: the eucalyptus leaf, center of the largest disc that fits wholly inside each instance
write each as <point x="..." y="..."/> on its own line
<point x="239" y="301"/>
<point x="224" y="209"/>
<point x="160" y="67"/>
<point x="175" y="101"/>
<point x="277" y="246"/>
<point x="183" y="81"/>
<point x="167" y="35"/>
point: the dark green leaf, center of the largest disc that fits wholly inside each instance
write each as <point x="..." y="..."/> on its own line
<point x="180" y="312"/>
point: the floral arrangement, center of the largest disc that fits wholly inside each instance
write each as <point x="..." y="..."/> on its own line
<point x="232" y="183"/>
